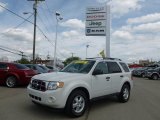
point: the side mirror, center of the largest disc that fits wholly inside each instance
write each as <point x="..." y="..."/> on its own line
<point x="97" y="72"/>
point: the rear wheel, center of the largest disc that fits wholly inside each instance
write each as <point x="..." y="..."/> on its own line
<point x="155" y="77"/>
<point x="77" y="104"/>
<point x="124" y="95"/>
<point x="11" y="81"/>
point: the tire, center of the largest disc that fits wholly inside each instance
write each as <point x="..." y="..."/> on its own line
<point x="155" y="77"/>
<point x="11" y="82"/>
<point x="149" y="78"/>
<point x="143" y="75"/>
<point x="77" y="104"/>
<point x="124" y="95"/>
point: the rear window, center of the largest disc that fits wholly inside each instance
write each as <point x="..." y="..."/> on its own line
<point x="113" y="67"/>
<point x="124" y="66"/>
<point x="21" y="67"/>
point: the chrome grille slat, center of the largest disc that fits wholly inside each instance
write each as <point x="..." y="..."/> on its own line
<point x="38" y="85"/>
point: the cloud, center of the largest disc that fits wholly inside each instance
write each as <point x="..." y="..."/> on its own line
<point x="71" y="33"/>
<point x="152" y="28"/>
<point x="17" y="40"/>
<point x="18" y="34"/>
<point x="145" y="19"/>
<point x="3" y="4"/>
<point x="132" y="42"/>
<point x="73" y="23"/>
<point x="123" y="35"/>
<point x="122" y="7"/>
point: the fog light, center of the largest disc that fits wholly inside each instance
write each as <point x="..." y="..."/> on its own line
<point x="51" y="99"/>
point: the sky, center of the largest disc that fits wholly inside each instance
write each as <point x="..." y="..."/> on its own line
<point x="135" y="29"/>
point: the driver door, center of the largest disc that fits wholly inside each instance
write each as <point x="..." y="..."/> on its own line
<point x="101" y="84"/>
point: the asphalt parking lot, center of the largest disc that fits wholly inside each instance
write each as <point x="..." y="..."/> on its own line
<point x="144" y="104"/>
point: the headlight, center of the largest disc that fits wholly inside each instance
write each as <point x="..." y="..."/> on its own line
<point x="54" y="85"/>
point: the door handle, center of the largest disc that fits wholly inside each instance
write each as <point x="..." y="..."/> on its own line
<point x="121" y="76"/>
<point x="107" y="78"/>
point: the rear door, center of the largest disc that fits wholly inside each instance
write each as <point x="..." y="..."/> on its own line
<point x="3" y="71"/>
<point x="115" y="74"/>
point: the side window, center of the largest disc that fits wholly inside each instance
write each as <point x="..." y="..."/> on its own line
<point x="3" y="66"/>
<point x="113" y="67"/>
<point x="34" y="68"/>
<point x="102" y="67"/>
<point x="39" y="69"/>
<point x="21" y="67"/>
<point x="124" y="66"/>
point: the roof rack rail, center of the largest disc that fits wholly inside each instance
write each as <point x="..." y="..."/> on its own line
<point x="105" y="58"/>
<point x="113" y="59"/>
<point x="95" y="58"/>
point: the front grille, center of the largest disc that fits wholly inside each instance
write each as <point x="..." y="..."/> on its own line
<point x="38" y="85"/>
<point x="145" y="72"/>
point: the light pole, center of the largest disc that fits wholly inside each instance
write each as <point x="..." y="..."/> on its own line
<point x="87" y="46"/>
<point x="58" y="18"/>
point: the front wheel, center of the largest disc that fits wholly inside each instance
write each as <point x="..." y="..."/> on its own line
<point x="143" y="75"/>
<point x="77" y="104"/>
<point x="124" y="95"/>
<point x="155" y="77"/>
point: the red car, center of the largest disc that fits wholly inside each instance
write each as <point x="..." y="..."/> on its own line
<point x="13" y="74"/>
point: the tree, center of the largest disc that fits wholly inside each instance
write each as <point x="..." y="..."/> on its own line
<point x="23" y="61"/>
<point x="70" y="59"/>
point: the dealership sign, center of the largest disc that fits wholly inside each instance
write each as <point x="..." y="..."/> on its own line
<point x="96" y="21"/>
<point x="95" y="16"/>
<point x="95" y="31"/>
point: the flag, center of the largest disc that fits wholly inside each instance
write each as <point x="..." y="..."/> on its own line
<point x="102" y="53"/>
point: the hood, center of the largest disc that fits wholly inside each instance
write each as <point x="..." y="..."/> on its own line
<point x="153" y="70"/>
<point x="150" y="70"/>
<point x="58" y="76"/>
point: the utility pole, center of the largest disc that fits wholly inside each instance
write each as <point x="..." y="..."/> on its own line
<point x="35" y="20"/>
<point x="72" y="55"/>
<point x="22" y="54"/>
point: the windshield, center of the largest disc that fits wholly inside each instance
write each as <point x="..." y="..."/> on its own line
<point x="80" y="66"/>
<point x="157" y="69"/>
<point x="43" y="67"/>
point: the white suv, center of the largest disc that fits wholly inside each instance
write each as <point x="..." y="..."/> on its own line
<point x="81" y="81"/>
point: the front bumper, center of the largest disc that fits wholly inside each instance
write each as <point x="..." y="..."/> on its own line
<point x="51" y="98"/>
